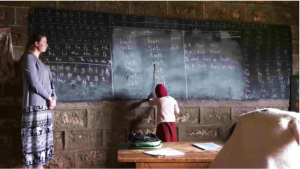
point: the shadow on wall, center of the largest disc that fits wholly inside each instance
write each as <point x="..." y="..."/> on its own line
<point x="134" y="125"/>
<point x="10" y="121"/>
<point x="133" y="114"/>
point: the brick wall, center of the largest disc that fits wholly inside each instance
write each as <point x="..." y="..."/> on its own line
<point x="87" y="134"/>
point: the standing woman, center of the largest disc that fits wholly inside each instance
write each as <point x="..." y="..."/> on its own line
<point x="39" y="99"/>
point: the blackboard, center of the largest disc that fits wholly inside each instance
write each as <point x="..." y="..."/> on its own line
<point x="294" y="100"/>
<point x="214" y="65"/>
<point x="135" y="51"/>
<point x="99" y="56"/>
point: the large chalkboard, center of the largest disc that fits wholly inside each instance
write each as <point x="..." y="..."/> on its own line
<point x="135" y="51"/>
<point x="98" y="56"/>
<point x="214" y="65"/>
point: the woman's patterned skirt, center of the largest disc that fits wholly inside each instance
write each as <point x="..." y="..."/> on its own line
<point x="37" y="136"/>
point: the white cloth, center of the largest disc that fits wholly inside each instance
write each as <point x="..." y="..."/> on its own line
<point x="166" y="108"/>
<point x="265" y="138"/>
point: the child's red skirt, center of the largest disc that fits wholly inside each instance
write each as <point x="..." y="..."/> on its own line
<point x="167" y="132"/>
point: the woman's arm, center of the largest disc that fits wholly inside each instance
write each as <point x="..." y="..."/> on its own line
<point x="54" y="98"/>
<point x="28" y="65"/>
<point x="150" y="99"/>
<point x="151" y="102"/>
<point x="53" y="94"/>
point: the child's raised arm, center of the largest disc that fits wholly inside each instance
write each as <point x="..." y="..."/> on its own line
<point x="150" y="100"/>
<point x="176" y="108"/>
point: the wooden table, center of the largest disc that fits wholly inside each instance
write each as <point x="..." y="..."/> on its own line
<point x="193" y="158"/>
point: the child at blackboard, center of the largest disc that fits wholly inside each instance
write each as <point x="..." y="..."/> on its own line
<point x="167" y="107"/>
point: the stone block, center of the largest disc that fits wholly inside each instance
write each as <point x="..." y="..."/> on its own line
<point x="285" y="4"/>
<point x="119" y="7"/>
<point x="21" y="38"/>
<point x="134" y="118"/>
<point x="94" y="158"/>
<point x="237" y="111"/>
<point x="295" y="32"/>
<point x="199" y="133"/>
<point x="9" y="123"/>
<point x="22" y="16"/>
<point x="250" y="2"/>
<point x="286" y="16"/>
<point x="188" y="116"/>
<point x="43" y="4"/>
<point x="58" y="137"/>
<point x="114" y="137"/>
<point x="215" y="115"/>
<point x="236" y="12"/>
<point x="77" y="5"/>
<point x="148" y="8"/>
<point x="6" y="145"/>
<point x="62" y="160"/>
<point x="84" y="139"/>
<point x="7" y="16"/>
<point x="295" y="47"/>
<point x="16" y="3"/>
<point x="226" y="131"/>
<point x="258" y="13"/>
<point x="215" y="11"/>
<point x="188" y="9"/>
<point x="101" y="117"/>
<point x="296" y="62"/>
<point x="70" y="119"/>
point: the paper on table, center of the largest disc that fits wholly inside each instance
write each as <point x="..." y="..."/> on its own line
<point x="165" y="152"/>
<point x="208" y="146"/>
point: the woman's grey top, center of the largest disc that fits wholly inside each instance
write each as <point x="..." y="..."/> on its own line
<point x="37" y="82"/>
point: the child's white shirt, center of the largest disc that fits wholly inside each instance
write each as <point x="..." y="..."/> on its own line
<point x="167" y="107"/>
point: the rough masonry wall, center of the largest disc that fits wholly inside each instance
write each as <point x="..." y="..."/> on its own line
<point x="87" y="134"/>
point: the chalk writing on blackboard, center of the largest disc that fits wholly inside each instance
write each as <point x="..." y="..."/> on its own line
<point x="99" y="56"/>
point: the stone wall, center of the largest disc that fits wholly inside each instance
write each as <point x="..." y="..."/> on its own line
<point x="87" y="134"/>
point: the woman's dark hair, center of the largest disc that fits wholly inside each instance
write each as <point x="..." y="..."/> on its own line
<point x="30" y="47"/>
